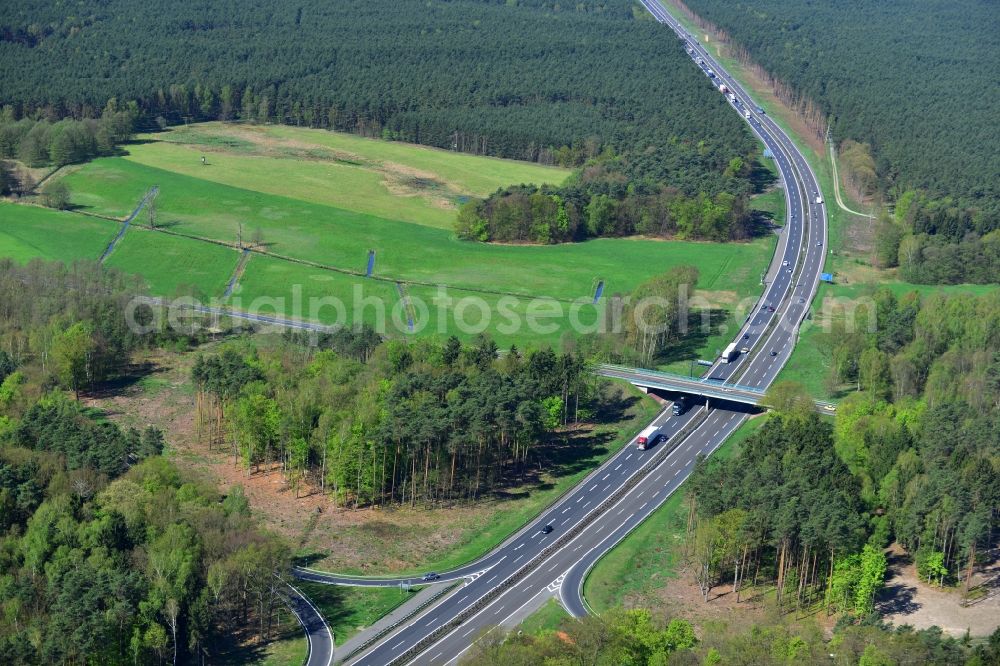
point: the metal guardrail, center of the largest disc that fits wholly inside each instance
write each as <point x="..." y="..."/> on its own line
<point x="417" y="648"/>
<point x="712" y="388"/>
<point x="703" y="381"/>
<point x="388" y="629"/>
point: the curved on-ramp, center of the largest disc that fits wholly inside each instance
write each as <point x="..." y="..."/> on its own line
<point x="614" y="499"/>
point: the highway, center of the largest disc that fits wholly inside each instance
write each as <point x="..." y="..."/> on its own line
<point x="589" y="520"/>
<point x="701" y="387"/>
<point x="318" y="635"/>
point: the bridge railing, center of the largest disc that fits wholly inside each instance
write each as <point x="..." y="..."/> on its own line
<point x="680" y="378"/>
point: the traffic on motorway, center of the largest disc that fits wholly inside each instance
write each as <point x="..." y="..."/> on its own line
<point x="508" y="583"/>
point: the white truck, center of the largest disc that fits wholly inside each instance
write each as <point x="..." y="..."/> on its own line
<point x="819" y="199"/>
<point x="647" y="437"/>
<point x="746" y="114"/>
<point x="729" y="353"/>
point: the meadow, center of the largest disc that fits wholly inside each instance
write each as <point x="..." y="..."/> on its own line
<point x="313" y="204"/>
<point x="29" y="232"/>
<point x="172" y="264"/>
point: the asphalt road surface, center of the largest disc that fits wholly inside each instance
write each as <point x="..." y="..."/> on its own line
<point x="318" y="634"/>
<point x="596" y="514"/>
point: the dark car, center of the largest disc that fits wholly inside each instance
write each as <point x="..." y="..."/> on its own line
<point x="770" y="308"/>
<point x="774" y="353"/>
<point x="431" y="576"/>
<point x="546" y="529"/>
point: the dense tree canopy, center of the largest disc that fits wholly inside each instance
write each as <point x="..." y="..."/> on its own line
<point x="107" y="554"/>
<point x="908" y="78"/>
<point x="922" y="433"/>
<point x="423" y="422"/>
<point x="909" y="90"/>
<point x="558" y="83"/>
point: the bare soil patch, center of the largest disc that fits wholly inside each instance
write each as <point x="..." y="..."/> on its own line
<point x="908" y="600"/>
<point x="399" y="179"/>
<point x="680" y="596"/>
<point x="161" y="394"/>
<point x="376" y="540"/>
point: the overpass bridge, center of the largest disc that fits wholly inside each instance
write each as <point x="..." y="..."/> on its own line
<point x="703" y="387"/>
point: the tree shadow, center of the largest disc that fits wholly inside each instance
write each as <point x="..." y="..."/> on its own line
<point x="701" y="325"/>
<point x="761" y="177"/>
<point x="335" y="604"/>
<point x="896" y="598"/>
<point x="167" y="224"/>
<point x="122" y="386"/>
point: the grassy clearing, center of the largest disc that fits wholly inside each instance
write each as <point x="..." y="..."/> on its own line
<point x="289" y="648"/>
<point x="510" y="320"/>
<point x="772" y="203"/>
<point x="29" y="232"/>
<point x="275" y="286"/>
<point x="170" y="264"/>
<point x="387" y="179"/>
<point x="408" y="252"/>
<point x="293" y="216"/>
<point x="546" y="618"/>
<point x="651" y="552"/>
<point x="413" y="541"/>
<point x="318" y="181"/>
<point x="393" y="180"/>
<point x="349" y="610"/>
<point x="471" y="173"/>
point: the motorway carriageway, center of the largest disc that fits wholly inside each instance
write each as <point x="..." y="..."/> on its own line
<point x="500" y="577"/>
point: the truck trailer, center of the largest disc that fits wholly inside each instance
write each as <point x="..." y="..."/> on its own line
<point x="729" y="353"/>
<point x="647" y="437"/>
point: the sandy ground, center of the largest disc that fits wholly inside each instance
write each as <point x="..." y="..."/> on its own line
<point x="376" y="540"/>
<point x="907" y="600"/>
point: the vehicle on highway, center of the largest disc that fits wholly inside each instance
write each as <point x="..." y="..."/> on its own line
<point x="431" y="576"/>
<point x="760" y="109"/>
<point x="745" y="350"/>
<point x="547" y="529"/>
<point x="770" y="308"/>
<point x="774" y="353"/>
<point x="746" y="336"/>
<point x="680" y="406"/>
<point x="729" y="353"/>
<point x="819" y="199"/>
<point x="647" y="438"/>
<point x="746" y="113"/>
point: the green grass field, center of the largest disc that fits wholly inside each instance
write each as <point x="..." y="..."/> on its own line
<point x="546" y="618"/>
<point x="473" y="174"/>
<point x="277" y="186"/>
<point x="650" y="553"/>
<point x="29" y="232"/>
<point x="772" y="203"/>
<point x="414" y="253"/>
<point x="168" y="262"/>
<point x="387" y="179"/>
<point x="348" y="610"/>
<point x="298" y="291"/>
